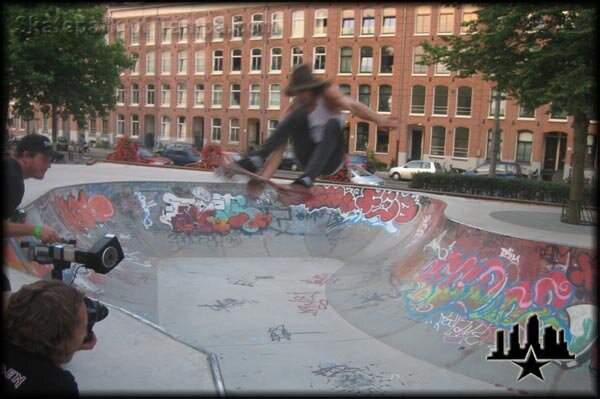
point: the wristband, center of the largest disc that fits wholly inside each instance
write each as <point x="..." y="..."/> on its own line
<point x="36" y="232"/>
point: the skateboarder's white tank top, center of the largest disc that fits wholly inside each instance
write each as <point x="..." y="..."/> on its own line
<point x="319" y="117"/>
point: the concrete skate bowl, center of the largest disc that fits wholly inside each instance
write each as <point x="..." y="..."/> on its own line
<point x="357" y="291"/>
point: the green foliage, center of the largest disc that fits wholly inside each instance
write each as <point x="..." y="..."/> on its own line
<point x="377" y="164"/>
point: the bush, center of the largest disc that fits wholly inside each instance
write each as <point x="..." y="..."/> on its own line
<point x="377" y="164"/>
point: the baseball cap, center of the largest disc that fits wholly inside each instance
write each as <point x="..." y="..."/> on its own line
<point x="36" y="143"/>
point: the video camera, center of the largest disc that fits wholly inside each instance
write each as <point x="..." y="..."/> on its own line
<point x="102" y="257"/>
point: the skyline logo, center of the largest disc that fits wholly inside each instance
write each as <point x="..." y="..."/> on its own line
<point x="532" y="356"/>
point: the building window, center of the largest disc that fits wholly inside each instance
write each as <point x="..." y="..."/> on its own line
<point x="150" y="94"/>
<point x="150" y="63"/>
<point x="181" y="127"/>
<point x="104" y="125"/>
<point x="135" y="61"/>
<point x="254" y="96"/>
<point x="181" y="95"/>
<point x="319" y="59"/>
<point x="120" y="95"/>
<point x="499" y="139"/>
<point x="469" y="13"/>
<point x="368" y="22"/>
<point x="297" y="56"/>
<point x="257" y="25"/>
<point x="199" y="95"/>
<point x="165" y="95"/>
<point x="276" y="59"/>
<point x="346" y="90"/>
<point x="346" y="60"/>
<point x="524" y="146"/>
<point x="461" y="142"/>
<point x="493" y="104"/>
<point x="182" y="31"/>
<point x="120" y="125"/>
<point x="446" y="20"/>
<point x="417" y="104"/>
<point x="218" y="61"/>
<point x="272" y="127"/>
<point x="236" y="60"/>
<point x="366" y="60"/>
<point x="348" y="23"/>
<point x="362" y="136"/>
<point x="216" y="129"/>
<point x="438" y="140"/>
<point x="463" y="101"/>
<point x="320" y="28"/>
<point x="419" y="69"/>
<point x="199" y="61"/>
<point x="423" y="20"/>
<point x="298" y="24"/>
<point x="440" y="100"/>
<point x="165" y="127"/>
<point x="441" y="69"/>
<point x="182" y="62"/>
<point x="234" y="130"/>
<point x="165" y="63"/>
<point x="364" y="94"/>
<point x="526" y="113"/>
<point x="277" y="25"/>
<point x="217" y="96"/>
<point x="200" y="29"/>
<point x="274" y="95"/>
<point x="135" y="125"/>
<point x="256" y="60"/>
<point x="238" y="27"/>
<point x="135" y="33"/>
<point x="385" y="98"/>
<point x="165" y="32"/>
<point x="591" y="152"/>
<point x="150" y="32"/>
<point x="557" y="114"/>
<point x="219" y="28"/>
<point x="389" y="21"/>
<point x="135" y="94"/>
<point x="383" y="141"/>
<point x="235" y="95"/>
<point x="387" y="60"/>
<point x="121" y="32"/>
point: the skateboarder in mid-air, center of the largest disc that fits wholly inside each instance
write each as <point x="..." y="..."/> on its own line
<point x="315" y="123"/>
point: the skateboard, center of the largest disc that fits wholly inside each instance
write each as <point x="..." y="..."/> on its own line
<point x="288" y="194"/>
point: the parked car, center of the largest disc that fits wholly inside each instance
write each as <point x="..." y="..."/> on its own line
<point x="181" y="155"/>
<point x="62" y="143"/>
<point x="360" y="175"/>
<point x="148" y="157"/>
<point x="289" y="161"/>
<point x="510" y="170"/>
<point x="231" y="156"/>
<point x="407" y="170"/>
<point x="361" y="160"/>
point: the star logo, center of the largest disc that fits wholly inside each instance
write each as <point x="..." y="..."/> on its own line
<point x="531" y="365"/>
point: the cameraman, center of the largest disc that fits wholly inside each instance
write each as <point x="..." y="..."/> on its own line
<point x="44" y="325"/>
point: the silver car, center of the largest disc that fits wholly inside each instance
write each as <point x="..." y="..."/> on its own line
<point x="360" y="175"/>
<point x="407" y="170"/>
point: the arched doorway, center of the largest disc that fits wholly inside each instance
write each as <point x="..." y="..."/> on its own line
<point x="415" y="142"/>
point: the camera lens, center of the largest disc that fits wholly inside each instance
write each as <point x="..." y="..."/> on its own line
<point x="110" y="257"/>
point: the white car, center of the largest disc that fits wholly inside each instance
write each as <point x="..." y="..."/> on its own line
<point x="407" y="170"/>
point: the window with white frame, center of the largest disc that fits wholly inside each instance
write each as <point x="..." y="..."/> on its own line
<point x="165" y="127"/>
<point x="135" y="63"/>
<point x="438" y="141"/>
<point x="272" y="126"/>
<point x="120" y="94"/>
<point x="277" y="25"/>
<point x="254" y="96"/>
<point x="348" y="23"/>
<point x="386" y="64"/>
<point x="346" y="60"/>
<point x="461" y="142"/>
<point x="297" y="56"/>
<point x="104" y="125"/>
<point x="257" y="25"/>
<point x="276" y="59"/>
<point x="165" y="63"/>
<point x="182" y="62"/>
<point x="556" y="113"/>
<point x="200" y="29"/>
<point x="362" y="137"/>
<point x="524" y="146"/>
<point x="234" y="130"/>
<point x="385" y="99"/>
<point x="198" y="95"/>
<point x="181" y="95"/>
<point x="165" y="95"/>
<point x="215" y="129"/>
<point x="218" y="29"/>
<point x="499" y="144"/>
<point x="121" y="32"/>
<point x="135" y="125"/>
<point x="417" y="103"/>
<point x="150" y="89"/>
<point x="419" y="54"/>
<point x="526" y="113"/>
<point x="389" y="21"/>
<point x="236" y="60"/>
<point x="423" y="20"/>
<point x="150" y="32"/>
<point x="237" y="23"/>
<point x="150" y="63"/>
<point x="368" y="22"/>
<point x="135" y="33"/>
<point x="469" y="14"/>
<point x="319" y="59"/>
<point x="440" y="100"/>
<point x="446" y="20"/>
<point x="346" y="90"/>
<point x="366" y="60"/>
<point x="320" y="27"/>
<point x="274" y="95"/>
<point x="165" y="32"/>
<point x="298" y="23"/>
<point x="135" y="94"/>
<point x="120" y="125"/>
<point x="217" y="95"/>
<point x="235" y="95"/>
<point x="464" y="96"/>
<point x="181" y="128"/>
<point x="591" y="152"/>
<point x="492" y="103"/>
<point x="364" y="94"/>
<point x="199" y="62"/>
<point x="441" y="69"/>
<point x="218" y="61"/>
<point x="182" y="31"/>
<point x="255" y="60"/>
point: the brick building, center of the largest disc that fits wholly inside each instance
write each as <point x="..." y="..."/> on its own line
<point x="216" y="73"/>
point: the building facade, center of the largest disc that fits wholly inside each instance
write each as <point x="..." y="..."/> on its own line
<point x="216" y="73"/>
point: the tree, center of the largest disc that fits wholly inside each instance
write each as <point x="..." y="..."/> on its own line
<point x="537" y="54"/>
<point x="59" y="61"/>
